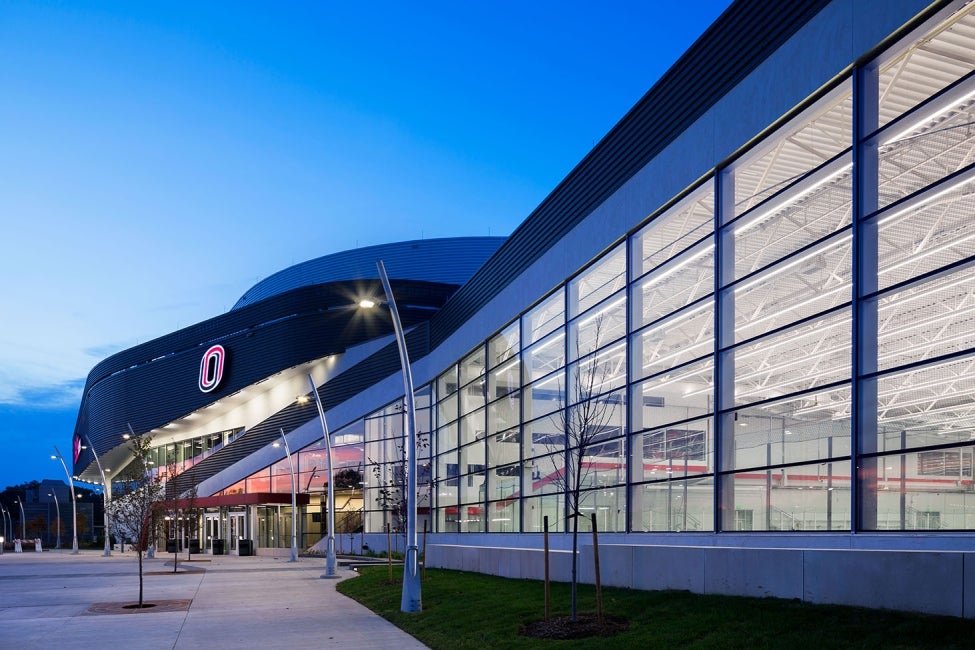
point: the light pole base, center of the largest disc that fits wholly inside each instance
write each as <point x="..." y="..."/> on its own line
<point x="411" y="601"/>
<point x="330" y="558"/>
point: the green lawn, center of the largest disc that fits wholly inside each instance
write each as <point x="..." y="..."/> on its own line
<point x="469" y="610"/>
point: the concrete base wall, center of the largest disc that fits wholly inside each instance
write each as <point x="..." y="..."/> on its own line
<point x="933" y="582"/>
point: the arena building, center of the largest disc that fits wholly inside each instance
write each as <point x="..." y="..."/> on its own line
<point x="760" y="285"/>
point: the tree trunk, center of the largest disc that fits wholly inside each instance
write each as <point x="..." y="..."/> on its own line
<point x="595" y="567"/>
<point x="575" y="543"/>
<point x="575" y="499"/>
<point x="140" y="579"/>
<point x="548" y="590"/>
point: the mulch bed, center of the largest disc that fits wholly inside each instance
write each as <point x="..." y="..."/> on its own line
<point x="563" y="627"/>
<point x="98" y="609"/>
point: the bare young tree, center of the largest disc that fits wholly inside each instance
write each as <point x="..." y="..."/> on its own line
<point x="585" y="420"/>
<point x="131" y="510"/>
<point x="390" y="482"/>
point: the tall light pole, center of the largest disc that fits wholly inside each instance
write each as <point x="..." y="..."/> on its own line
<point x="330" y="540"/>
<point x="410" y="601"/>
<point x="294" y="500"/>
<point x="74" y="506"/>
<point x="106" y="496"/>
<point x="23" y="520"/>
<point x="8" y="523"/>
<point x="53" y="493"/>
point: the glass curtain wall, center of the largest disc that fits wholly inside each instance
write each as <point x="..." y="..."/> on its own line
<point x="807" y="310"/>
<point x="917" y="242"/>
<point x="176" y="457"/>
<point x="729" y="338"/>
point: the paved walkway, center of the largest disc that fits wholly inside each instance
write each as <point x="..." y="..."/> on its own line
<point x="237" y="602"/>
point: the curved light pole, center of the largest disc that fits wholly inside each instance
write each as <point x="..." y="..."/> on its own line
<point x="330" y="540"/>
<point x="53" y="493"/>
<point x="23" y="520"/>
<point x="8" y="523"/>
<point x="294" y="500"/>
<point x="106" y="496"/>
<point x="74" y="506"/>
<point x="410" y="601"/>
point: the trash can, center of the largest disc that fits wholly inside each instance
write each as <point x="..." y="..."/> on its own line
<point x="218" y="546"/>
<point x="245" y="547"/>
<point x="194" y="546"/>
<point x="172" y="546"/>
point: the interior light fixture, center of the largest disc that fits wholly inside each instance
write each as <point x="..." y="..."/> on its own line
<point x="773" y="271"/>
<point x="601" y="312"/>
<point x="506" y="367"/>
<point x="658" y="277"/>
<point x="750" y="221"/>
<point x="941" y="110"/>
<point x="939" y="249"/>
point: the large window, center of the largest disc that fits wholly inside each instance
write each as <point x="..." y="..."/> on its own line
<point x="745" y="347"/>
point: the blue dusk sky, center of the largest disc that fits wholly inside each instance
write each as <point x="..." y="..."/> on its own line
<point x="159" y="158"/>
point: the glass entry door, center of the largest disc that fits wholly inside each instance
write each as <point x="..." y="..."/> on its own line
<point x="211" y="524"/>
<point x="237" y="530"/>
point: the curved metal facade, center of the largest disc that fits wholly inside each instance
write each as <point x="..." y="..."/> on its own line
<point x="448" y="261"/>
<point x="155" y="383"/>
<point x="295" y="316"/>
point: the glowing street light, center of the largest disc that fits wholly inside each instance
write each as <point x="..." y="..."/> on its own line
<point x="74" y="507"/>
<point x="294" y="500"/>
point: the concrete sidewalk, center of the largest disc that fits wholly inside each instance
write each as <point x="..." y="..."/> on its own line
<point x="237" y="602"/>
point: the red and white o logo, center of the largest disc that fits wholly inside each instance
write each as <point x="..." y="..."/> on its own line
<point x="211" y="368"/>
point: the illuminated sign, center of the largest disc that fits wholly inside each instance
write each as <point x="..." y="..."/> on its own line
<point x="211" y="368"/>
<point x="76" y="448"/>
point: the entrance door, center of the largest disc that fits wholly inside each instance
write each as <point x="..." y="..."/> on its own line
<point x="236" y="530"/>
<point x="211" y="525"/>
